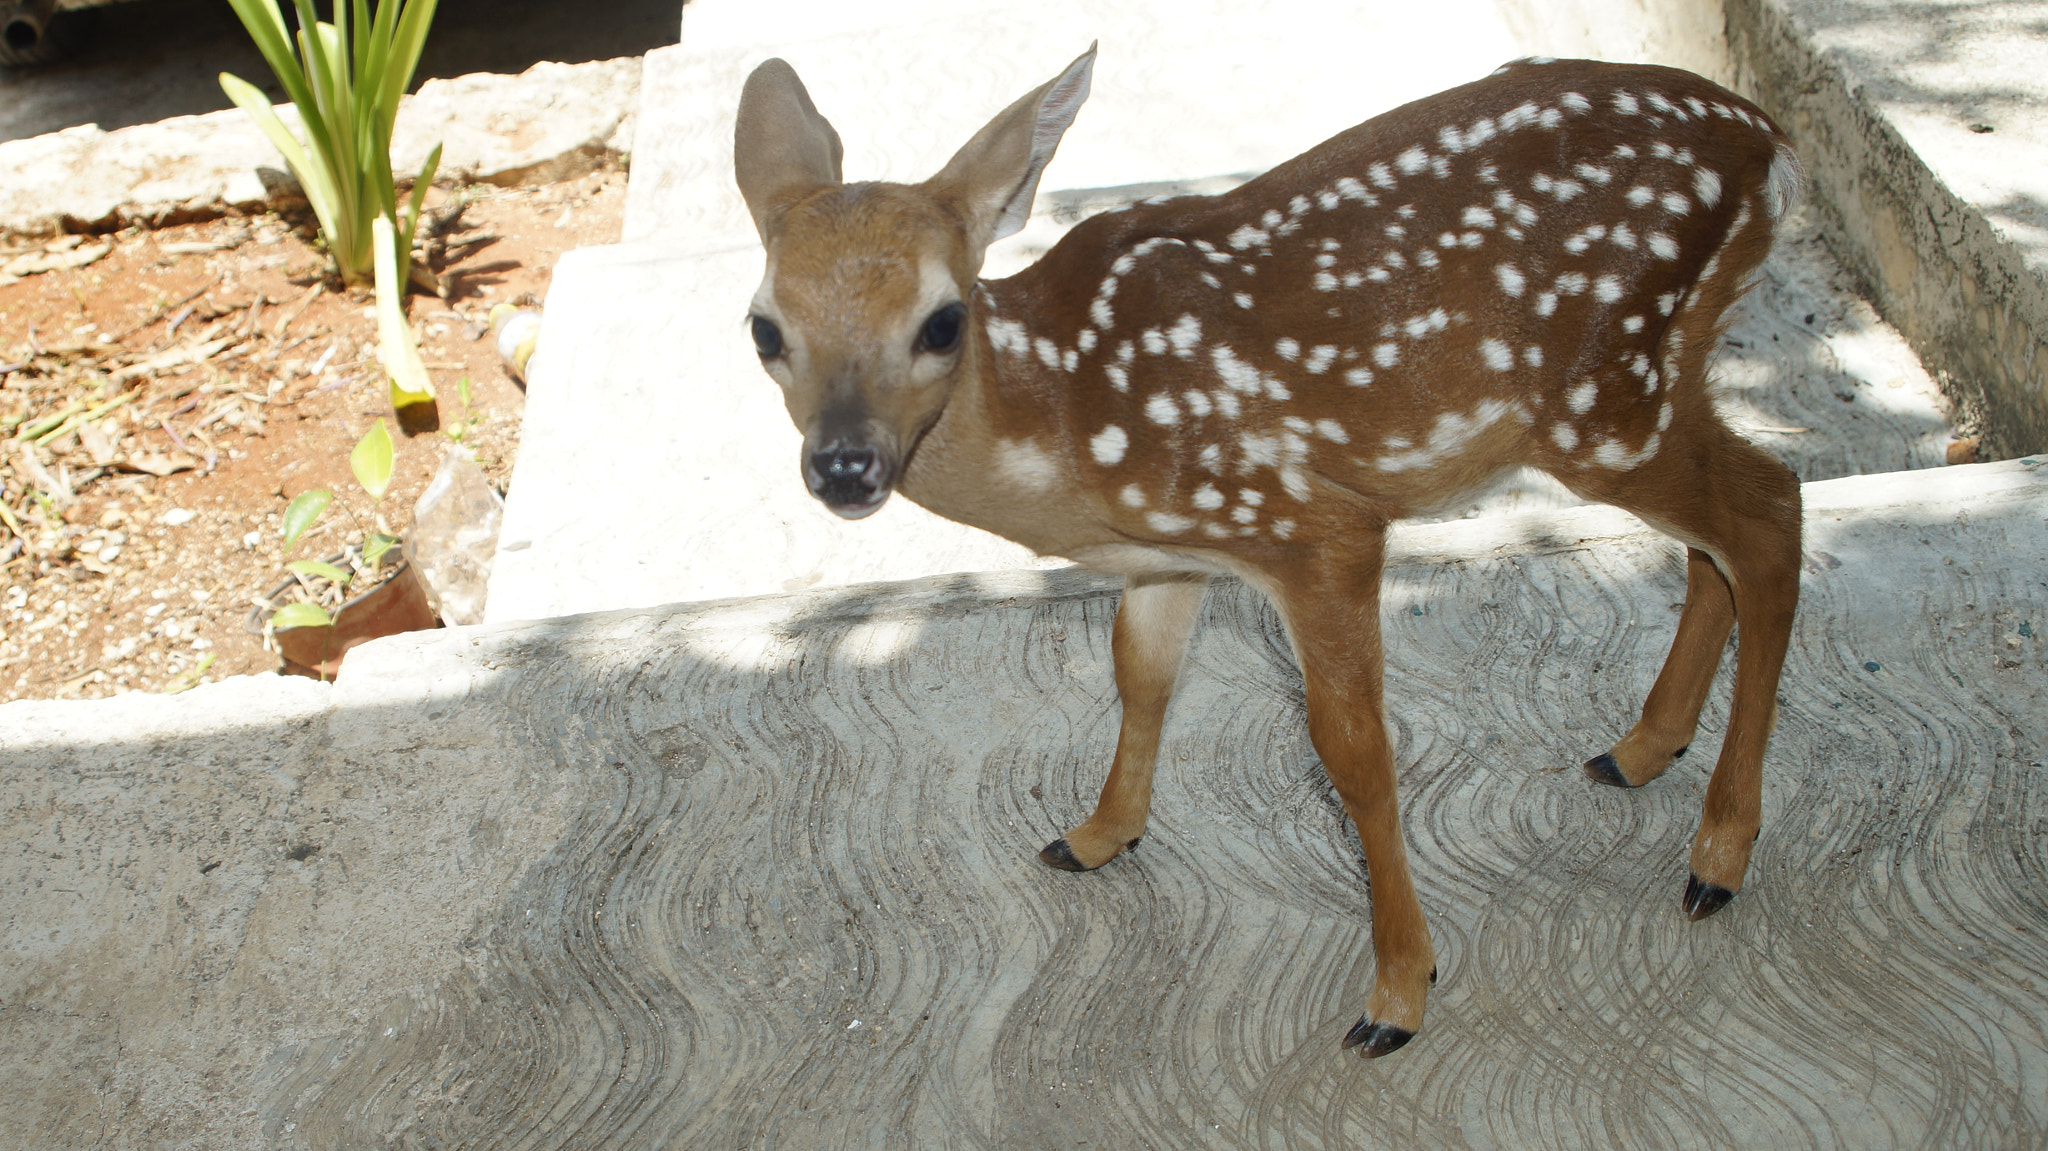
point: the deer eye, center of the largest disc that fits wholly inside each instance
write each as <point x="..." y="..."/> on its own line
<point x="941" y="333"/>
<point x="767" y="338"/>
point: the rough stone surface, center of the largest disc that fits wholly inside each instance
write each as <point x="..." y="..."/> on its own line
<point x="760" y="873"/>
<point x="1945" y="224"/>
<point x="551" y="122"/>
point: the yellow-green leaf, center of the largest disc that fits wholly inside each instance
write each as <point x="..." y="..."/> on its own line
<point x="371" y="460"/>
<point x="377" y="546"/>
<point x="395" y="346"/>
<point x="326" y="571"/>
<point x="300" y="615"/>
<point x="303" y="512"/>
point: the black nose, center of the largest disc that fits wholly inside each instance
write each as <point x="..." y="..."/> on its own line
<point x="844" y="477"/>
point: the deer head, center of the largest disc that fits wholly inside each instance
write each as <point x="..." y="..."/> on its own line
<point x="862" y="315"/>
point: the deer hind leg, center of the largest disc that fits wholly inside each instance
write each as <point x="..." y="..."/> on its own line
<point x="1333" y="619"/>
<point x="1738" y="510"/>
<point x="1152" y="627"/>
<point x="1671" y="713"/>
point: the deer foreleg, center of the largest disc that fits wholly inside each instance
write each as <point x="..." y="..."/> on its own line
<point x="1333" y="618"/>
<point x="1152" y="627"/>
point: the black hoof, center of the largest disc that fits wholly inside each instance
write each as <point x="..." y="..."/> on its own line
<point x="1704" y="899"/>
<point x="1432" y="975"/>
<point x="1602" y="769"/>
<point x="1376" y="1039"/>
<point x="1058" y="854"/>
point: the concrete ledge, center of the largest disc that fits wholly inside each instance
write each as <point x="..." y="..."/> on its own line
<point x="635" y="877"/>
<point x="551" y="122"/>
<point x="1945" y="225"/>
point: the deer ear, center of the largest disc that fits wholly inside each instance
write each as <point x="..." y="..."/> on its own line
<point x="782" y="147"/>
<point x="995" y="177"/>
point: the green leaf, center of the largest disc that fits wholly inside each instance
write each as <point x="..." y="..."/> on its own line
<point x="325" y="571"/>
<point x="462" y="389"/>
<point x="300" y="615"/>
<point x="371" y="460"/>
<point x="303" y="513"/>
<point x="377" y="547"/>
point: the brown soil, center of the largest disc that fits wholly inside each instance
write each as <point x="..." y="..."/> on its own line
<point x="117" y="579"/>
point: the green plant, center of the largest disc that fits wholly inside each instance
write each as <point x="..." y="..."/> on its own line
<point x="345" y="79"/>
<point x="371" y="460"/>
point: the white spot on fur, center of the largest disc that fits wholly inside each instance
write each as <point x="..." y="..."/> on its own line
<point x="1208" y="498"/>
<point x="1241" y="300"/>
<point x="1632" y="324"/>
<point x="1580" y="399"/>
<point x="1533" y="356"/>
<point x="1565" y="437"/>
<point x="1496" y="354"/>
<point x="1332" y="431"/>
<point x="1676" y="204"/>
<point x="1249" y="237"/>
<point x="1048" y="352"/>
<point x="1449" y="435"/>
<point x="1288" y="348"/>
<point x="1086" y="340"/>
<point x="1161" y="410"/>
<point x="1118" y="377"/>
<point x="1640" y="195"/>
<point x="1154" y="341"/>
<point x="1197" y="402"/>
<point x="1186" y="333"/>
<point x="1166" y="523"/>
<point x="1412" y="161"/>
<point x="1108" y="446"/>
<point x="1666" y="302"/>
<point x="1008" y="336"/>
<point x="1358" y="377"/>
<point x="1132" y="496"/>
<point x="1607" y="289"/>
<point x="1663" y="246"/>
<point x="1320" y="358"/>
<point x="1574" y="102"/>
<point x="1706" y="184"/>
<point x="1023" y="464"/>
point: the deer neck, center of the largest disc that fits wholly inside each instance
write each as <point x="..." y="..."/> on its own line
<point x="999" y="457"/>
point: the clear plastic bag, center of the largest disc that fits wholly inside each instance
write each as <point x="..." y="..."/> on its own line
<point x="454" y="535"/>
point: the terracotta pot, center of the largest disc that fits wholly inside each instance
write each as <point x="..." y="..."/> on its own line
<point x="399" y="604"/>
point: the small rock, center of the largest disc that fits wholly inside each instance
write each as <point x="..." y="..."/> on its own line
<point x="177" y="517"/>
<point x="1963" y="451"/>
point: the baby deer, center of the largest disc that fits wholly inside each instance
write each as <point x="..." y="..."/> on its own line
<point x="1529" y="270"/>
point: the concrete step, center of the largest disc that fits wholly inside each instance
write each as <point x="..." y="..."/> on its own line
<point x="564" y="883"/>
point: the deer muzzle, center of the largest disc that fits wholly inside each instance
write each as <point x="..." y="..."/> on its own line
<point x="849" y="476"/>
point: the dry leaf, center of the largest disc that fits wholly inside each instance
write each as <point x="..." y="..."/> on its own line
<point x="159" y="463"/>
<point x="99" y="443"/>
<point x="36" y="262"/>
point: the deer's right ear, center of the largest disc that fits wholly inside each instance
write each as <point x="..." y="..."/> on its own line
<point x="782" y="147"/>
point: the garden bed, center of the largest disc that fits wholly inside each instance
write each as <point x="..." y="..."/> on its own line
<point x="171" y="390"/>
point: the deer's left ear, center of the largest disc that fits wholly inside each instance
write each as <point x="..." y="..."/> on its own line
<point x="994" y="178"/>
<point x="782" y="147"/>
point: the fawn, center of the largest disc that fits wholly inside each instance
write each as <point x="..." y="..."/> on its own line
<point x="1529" y="270"/>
